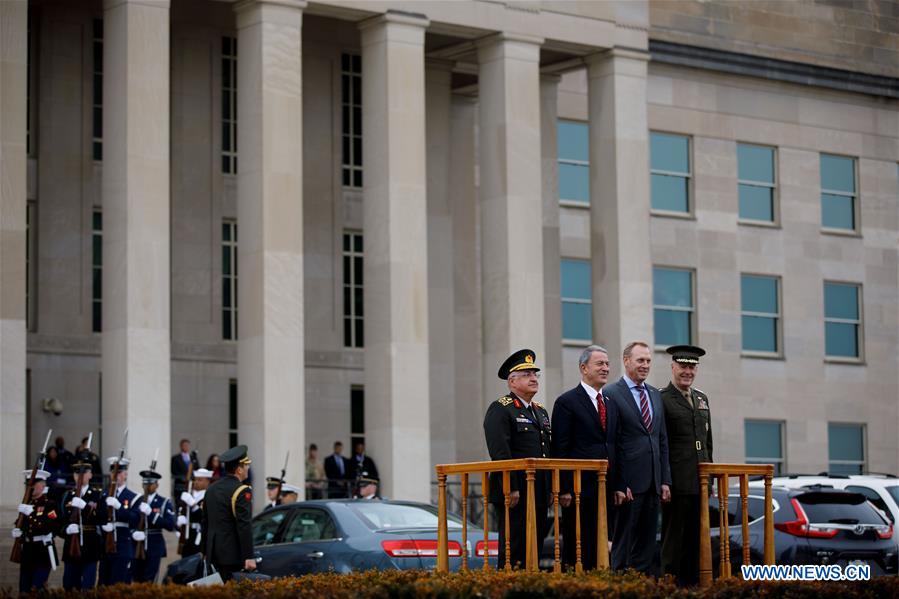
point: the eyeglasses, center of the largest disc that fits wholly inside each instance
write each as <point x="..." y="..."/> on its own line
<point x="526" y="374"/>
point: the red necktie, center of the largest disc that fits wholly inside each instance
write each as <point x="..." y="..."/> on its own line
<point x="601" y="406"/>
<point x="644" y="409"/>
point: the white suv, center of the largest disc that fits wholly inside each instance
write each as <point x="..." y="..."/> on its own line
<point x="882" y="490"/>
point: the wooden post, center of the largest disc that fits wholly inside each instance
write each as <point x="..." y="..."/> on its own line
<point x="442" y="536"/>
<point x="485" y="491"/>
<point x="602" y="528"/>
<point x="744" y="505"/>
<point x="769" y="519"/>
<point x="531" y="522"/>
<point x="508" y="547"/>
<point x="557" y="564"/>
<point x="465" y="521"/>
<point x="578" y="566"/>
<point x="705" y="541"/>
<point x="724" y="529"/>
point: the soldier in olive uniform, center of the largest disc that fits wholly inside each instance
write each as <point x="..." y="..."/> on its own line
<point x="689" y="425"/>
<point x="515" y="426"/>
<point x="227" y="525"/>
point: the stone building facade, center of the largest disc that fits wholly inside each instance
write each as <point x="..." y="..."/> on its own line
<point x="191" y="244"/>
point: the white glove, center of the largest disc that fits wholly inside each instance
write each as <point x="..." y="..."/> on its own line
<point x="26" y="508"/>
<point x="145" y="509"/>
<point x="182" y="521"/>
<point x="78" y="503"/>
<point x="108" y="527"/>
<point x="138" y="535"/>
<point x="16" y="533"/>
<point x="72" y="529"/>
<point x="188" y="499"/>
<point x="113" y="503"/>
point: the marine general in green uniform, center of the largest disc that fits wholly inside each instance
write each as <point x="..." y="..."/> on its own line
<point x="515" y="427"/>
<point x="689" y="426"/>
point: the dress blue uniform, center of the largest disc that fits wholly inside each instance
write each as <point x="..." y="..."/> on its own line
<point x="81" y="570"/>
<point x="116" y="567"/>
<point x="161" y="517"/>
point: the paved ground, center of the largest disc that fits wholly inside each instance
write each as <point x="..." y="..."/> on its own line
<point x="9" y="572"/>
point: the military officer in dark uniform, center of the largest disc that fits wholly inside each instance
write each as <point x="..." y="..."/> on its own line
<point x="689" y="426"/>
<point x="273" y="486"/>
<point x="116" y="567"/>
<point x="196" y="505"/>
<point x="159" y="515"/>
<point x="42" y="519"/>
<point x="81" y="570"/>
<point x="227" y="525"/>
<point x="515" y="426"/>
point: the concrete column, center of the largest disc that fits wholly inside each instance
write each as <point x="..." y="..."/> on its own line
<point x="397" y="386"/>
<point x="135" y="186"/>
<point x="270" y="358"/>
<point x="441" y="299"/>
<point x="466" y="281"/>
<point x="511" y="203"/>
<point x="552" y="321"/>
<point x="13" y="75"/>
<point x="619" y="199"/>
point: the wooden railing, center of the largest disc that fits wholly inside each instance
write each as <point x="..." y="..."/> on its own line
<point x="530" y="466"/>
<point x="723" y="472"/>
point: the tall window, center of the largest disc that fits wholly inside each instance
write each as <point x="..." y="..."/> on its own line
<point x="756" y="185"/>
<point x="838" y="195"/>
<point x="232" y="412"/>
<point x="760" y="312"/>
<point x="574" y="162"/>
<point x="97" y="96"/>
<point x="229" y="279"/>
<point x="673" y="306"/>
<point x="846" y="448"/>
<point x="357" y="415"/>
<point x="351" y="118"/>
<point x="842" y="320"/>
<point x="764" y="443"/>
<point x="577" y="305"/>
<point x="229" y="105"/>
<point x="669" y="158"/>
<point x="30" y="253"/>
<point x="97" y="272"/>
<point x="352" y="290"/>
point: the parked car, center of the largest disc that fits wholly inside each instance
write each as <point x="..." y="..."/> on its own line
<point x="815" y="525"/>
<point x="346" y="535"/>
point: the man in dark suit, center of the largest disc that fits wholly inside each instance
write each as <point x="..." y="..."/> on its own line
<point x="362" y="465"/>
<point x="180" y="464"/>
<point x="582" y="424"/>
<point x="515" y="426"/>
<point x="641" y="473"/>
<point x="227" y="520"/>
<point x="337" y="469"/>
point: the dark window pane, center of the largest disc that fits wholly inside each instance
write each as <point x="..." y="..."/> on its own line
<point x="357" y="178"/>
<point x="97" y="324"/>
<point x="574" y="182"/>
<point x="357" y="301"/>
<point x="845" y="468"/>
<point x="226" y="45"/>
<point x="755" y="163"/>
<point x="226" y="136"/>
<point x="97" y="220"/>
<point x="357" y="270"/>
<point x="841" y="340"/>
<point x="226" y="261"/>
<point x="763" y="440"/>
<point x="346" y="244"/>
<point x="98" y="89"/>
<point x="759" y="334"/>
<point x="837" y="173"/>
<point x="226" y="324"/>
<point x="98" y="56"/>
<point x="576" y="283"/>
<point x="97" y="250"/>
<point x="345" y="62"/>
<point x="226" y="105"/>
<point x="357" y="151"/>
<point x="758" y="294"/>
<point x="345" y="146"/>
<point x="360" y="333"/>
<point x="670" y="193"/>
<point x="226" y="292"/>
<point x="347" y="307"/>
<point x="346" y="177"/>
<point x="756" y="203"/>
<point x="357" y="63"/>
<point x="98" y="121"/>
<point x="226" y="232"/>
<point x="577" y="321"/>
<point x="226" y="165"/>
<point x="672" y="287"/>
<point x="845" y="442"/>
<point x="97" y="284"/>
<point x="232" y="404"/>
<point x="837" y="212"/>
<point x="669" y="152"/>
<point x="226" y="77"/>
<point x="348" y="332"/>
<point x="357" y="244"/>
<point x="357" y="90"/>
<point x="347" y="275"/>
<point x="840" y="301"/>
<point x="357" y="120"/>
<point x="345" y="116"/>
<point x="672" y="328"/>
<point x="573" y="141"/>
<point x="233" y="165"/>
<point x="357" y="412"/>
<point x="98" y="150"/>
<point x="98" y="28"/>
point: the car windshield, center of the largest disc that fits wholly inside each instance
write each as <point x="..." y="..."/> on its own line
<point x="839" y="508"/>
<point x="378" y="515"/>
<point x="894" y="493"/>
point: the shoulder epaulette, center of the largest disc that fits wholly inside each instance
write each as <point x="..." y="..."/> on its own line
<point x="536" y="405"/>
<point x="699" y="390"/>
<point x="504" y="401"/>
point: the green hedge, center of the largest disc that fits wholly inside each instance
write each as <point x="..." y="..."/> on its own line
<point x="489" y="585"/>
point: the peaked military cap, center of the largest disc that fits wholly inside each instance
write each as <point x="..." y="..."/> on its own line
<point x="272" y="482"/>
<point x="82" y="464"/>
<point x="40" y="475"/>
<point x="523" y="359"/>
<point x="235" y="455"/>
<point x="150" y="476"/>
<point x="123" y="463"/>
<point x="685" y="354"/>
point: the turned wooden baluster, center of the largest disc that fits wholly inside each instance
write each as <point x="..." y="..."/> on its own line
<point x="506" y="500"/>
<point x="465" y="521"/>
<point x="557" y="564"/>
<point x="769" y="518"/>
<point x="705" y="541"/>
<point x="442" y="535"/>
<point x="744" y="505"/>
<point x="724" y="546"/>
<point x="578" y="566"/>
<point x="485" y="491"/>
<point x="602" y="529"/>
<point x="530" y="545"/>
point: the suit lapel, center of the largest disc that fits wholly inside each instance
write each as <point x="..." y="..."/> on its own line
<point x="628" y="398"/>
<point x="587" y="403"/>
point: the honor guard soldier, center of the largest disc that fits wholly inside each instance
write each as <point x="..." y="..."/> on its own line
<point x="85" y="511"/>
<point x="158" y="514"/>
<point x="42" y="518"/>
<point x="689" y="426"/>
<point x="273" y="486"/>
<point x="193" y="520"/>
<point x="289" y="494"/>
<point x="515" y="426"/>
<point x="116" y="567"/>
<point x="227" y="525"/>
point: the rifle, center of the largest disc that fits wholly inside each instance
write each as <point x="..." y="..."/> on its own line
<point x="75" y="517"/>
<point x="281" y="480"/>
<point x="111" y="537"/>
<point x="140" y="550"/>
<point x="15" y="555"/>
<point x="186" y="527"/>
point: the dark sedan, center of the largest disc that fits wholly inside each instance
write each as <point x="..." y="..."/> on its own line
<point x="346" y="535"/>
